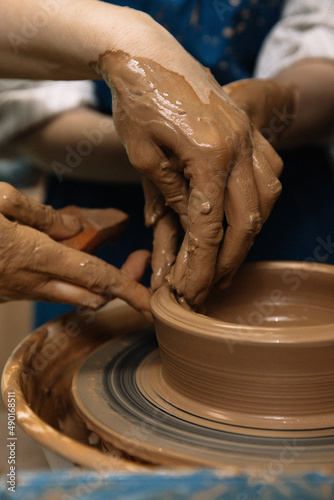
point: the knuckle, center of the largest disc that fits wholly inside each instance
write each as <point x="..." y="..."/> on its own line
<point x="102" y="278"/>
<point x="92" y="275"/>
<point x="93" y="302"/>
<point x="48" y="219"/>
<point x="168" y="177"/>
<point x="175" y="198"/>
<point x="143" y="157"/>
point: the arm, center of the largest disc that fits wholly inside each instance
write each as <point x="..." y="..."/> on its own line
<point x="79" y="144"/>
<point x="178" y="126"/>
<point x="300" y="49"/>
<point x="314" y="121"/>
<point x="51" y="41"/>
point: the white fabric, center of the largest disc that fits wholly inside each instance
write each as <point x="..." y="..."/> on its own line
<point x="305" y="30"/>
<point x="24" y="103"/>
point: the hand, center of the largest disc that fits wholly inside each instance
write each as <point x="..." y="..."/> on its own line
<point x="270" y="104"/>
<point x="202" y="152"/>
<point x="33" y="266"/>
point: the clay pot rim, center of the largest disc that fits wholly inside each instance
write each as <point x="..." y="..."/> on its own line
<point x="164" y="307"/>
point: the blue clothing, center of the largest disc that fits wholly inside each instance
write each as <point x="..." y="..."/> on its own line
<point x="130" y="199"/>
<point x="225" y="36"/>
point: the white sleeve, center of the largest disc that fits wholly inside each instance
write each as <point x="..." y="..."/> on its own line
<point x="24" y="103"/>
<point x="305" y="30"/>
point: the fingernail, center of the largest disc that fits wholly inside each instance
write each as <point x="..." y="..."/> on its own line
<point x="150" y="219"/>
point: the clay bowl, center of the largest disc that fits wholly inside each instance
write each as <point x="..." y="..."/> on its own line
<point x="260" y="356"/>
<point x="41" y="369"/>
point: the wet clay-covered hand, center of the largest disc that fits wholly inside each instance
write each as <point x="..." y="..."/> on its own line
<point x="167" y="233"/>
<point x="270" y="104"/>
<point x="202" y="152"/>
<point x="33" y="266"/>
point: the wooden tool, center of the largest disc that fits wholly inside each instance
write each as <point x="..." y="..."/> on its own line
<point x="98" y="226"/>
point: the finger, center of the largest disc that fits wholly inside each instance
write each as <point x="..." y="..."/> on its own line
<point x="242" y="209"/>
<point x="163" y="168"/>
<point x="166" y="232"/>
<point x="155" y="206"/>
<point x="205" y="231"/>
<point x="136" y="264"/>
<point x="168" y="177"/>
<point x="239" y="92"/>
<point x="58" y="292"/>
<point x="175" y="190"/>
<point x="269" y="153"/>
<point x="115" y="283"/>
<point x="61" y="291"/>
<point x="120" y="285"/>
<point x="105" y="279"/>
<point x="15" y="205"/>
<point x="177" y="275"/>
<point x="54" y="290"/>
<point x="266" y="166"/>
<point x="165" y="243"/>
<point x="53" y="260"/>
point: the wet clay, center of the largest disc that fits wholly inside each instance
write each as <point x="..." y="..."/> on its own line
<point x="167" y="233"/>
<point x="222" y="392"/>
<point x="262" y="356"/>
<point x="120" y="394"/>
<point x="183" y="131"/>
<point x="98" y="226"/>
<point x="40" y="372"/>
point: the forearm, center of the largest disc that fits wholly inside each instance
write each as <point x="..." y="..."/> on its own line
<point x="300" y="49"/>
<point x="81" y="144"/>
<point x="314" y="120"/>
<point x="60" y="39"/>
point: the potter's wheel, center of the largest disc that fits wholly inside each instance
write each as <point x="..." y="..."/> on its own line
<point x="120" y="393"/>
